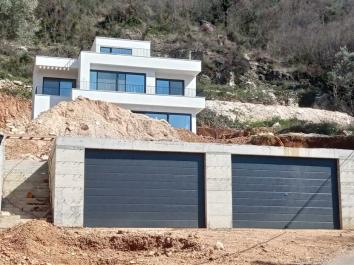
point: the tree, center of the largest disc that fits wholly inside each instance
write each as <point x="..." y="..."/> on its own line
<point x="17" y="19"/>
<point x="342" y="78"/>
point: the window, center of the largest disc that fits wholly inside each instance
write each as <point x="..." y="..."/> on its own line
<point x="117" y="81"/>
<point x="169" y="87"/>
<point x="176" y="120"/>
<point x="105" y="50"/>
<point x="58" y="86"/>
<point x="122" y="51"/>
<point x="180" y="121"/>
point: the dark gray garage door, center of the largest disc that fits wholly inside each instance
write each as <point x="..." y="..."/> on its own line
<point x="143" y="189"/>
<point x="278" y="192"/>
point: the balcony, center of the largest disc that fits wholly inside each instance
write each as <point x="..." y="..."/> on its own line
<point x="133" y="98"/>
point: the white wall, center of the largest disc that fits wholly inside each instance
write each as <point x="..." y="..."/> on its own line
<point x="164" y="66"/>
<point x="139" y="48"/>
<point x="43" y="103"/>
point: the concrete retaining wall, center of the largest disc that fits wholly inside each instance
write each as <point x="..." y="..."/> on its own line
<point x="67" y="174"/>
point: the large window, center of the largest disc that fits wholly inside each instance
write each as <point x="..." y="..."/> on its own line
<point x="58" y="86"/>
<point x="123" y="51"/>
<point x="169" y="87"/>
<point x="117" y="81"/>
<point x="176" y="120"/>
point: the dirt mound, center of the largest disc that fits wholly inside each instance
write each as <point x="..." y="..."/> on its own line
<point x="188" y="136"/>
<point x="37" y="242"/>
<point x="136" y="242"/>
<point x="99" y="119"/>
<point x="15" y="113"/>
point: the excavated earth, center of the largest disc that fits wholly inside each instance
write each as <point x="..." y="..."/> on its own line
<point x="100" y="119"/>
<point x="38" y="242"/>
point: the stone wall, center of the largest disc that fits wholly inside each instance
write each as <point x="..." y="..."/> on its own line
<point x="67" y="174"/>
<point x="25" y="189"/>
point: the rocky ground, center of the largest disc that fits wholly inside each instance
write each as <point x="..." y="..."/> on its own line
<point x="38" y="242"/>
<point x="248" y="112"/>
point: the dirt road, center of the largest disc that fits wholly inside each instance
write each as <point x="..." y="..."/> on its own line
<point x="38" y="242"/>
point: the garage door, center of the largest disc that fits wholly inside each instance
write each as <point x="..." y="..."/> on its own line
<point x="278" y="192"/>
<point x="143" y="189"/>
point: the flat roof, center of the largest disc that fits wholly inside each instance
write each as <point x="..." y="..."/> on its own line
<point x="127" y="40"/>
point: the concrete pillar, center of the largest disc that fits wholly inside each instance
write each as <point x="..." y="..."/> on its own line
<point x="346" y="191"/>
<point x="218" y="190"/>
<point x="67" y="186"/>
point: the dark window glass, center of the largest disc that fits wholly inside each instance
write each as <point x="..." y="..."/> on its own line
<point x="169" y="87"/>
<point x="176" y="120"/>
<point x="115" y="81"/>
<point x="105" y="50"/>
<point x="58" y="87"/>
<point x="106" y="81"/>
<point x="180" y="121"/>
<point x="93" y="80"/>
<point x="135" y="83"/>
<point x="157" y="116"/>
<point x="51" y="87"/>
<point x="66" y="87"/>
<point x="121" y="82"/>
<point x="162" y="87"/>
<point x="123" y="51"/>
<point x="176" y="87"/>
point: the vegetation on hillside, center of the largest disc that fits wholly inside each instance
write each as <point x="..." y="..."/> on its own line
<point x="287" y="51"/>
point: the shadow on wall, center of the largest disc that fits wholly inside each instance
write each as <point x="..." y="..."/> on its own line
<point x="26" y="190"/>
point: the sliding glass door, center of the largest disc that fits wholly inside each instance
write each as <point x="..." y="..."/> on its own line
<point x="58" y="86"/>
<point x="117" y="81"/>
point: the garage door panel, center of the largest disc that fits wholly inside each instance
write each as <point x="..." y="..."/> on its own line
<point x="285" y="174"/>
<point x="285" y="188"/>
<point x="301" y="217"/>
<point x="153" y="207"/>
<point x="153" y="215"/>
<point x="290" y="203"/>
<point x="283" y="181"/>
<point x="114" y="177"/>
<point x="292" y="225"/>
<point x="143" y="189"/>
<point x="280" y="195"/>
<point x="147" y="199"/>
<point x="145" y="184"/>
<point x="147" y="169"/>
<point x="283" y="210"/>
<point x="141" y="192"/>
<point x="279" y="189"/>
<point x="107" y="222"/>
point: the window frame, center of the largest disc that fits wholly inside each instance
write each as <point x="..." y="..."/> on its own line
<point x="57" y="79"/>
<point x="168" y="116"/>
<point x="119" y="48"/>
<point x="117" y="81"/>
<point x="169" y="86"/>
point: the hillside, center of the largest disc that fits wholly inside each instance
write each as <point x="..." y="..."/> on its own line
<point x="260" y="51"/>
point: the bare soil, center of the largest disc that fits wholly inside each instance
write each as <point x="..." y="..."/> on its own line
<point x="38" y="242"/>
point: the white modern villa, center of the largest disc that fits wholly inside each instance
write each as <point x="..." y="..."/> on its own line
<point x="124" y="72"/>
